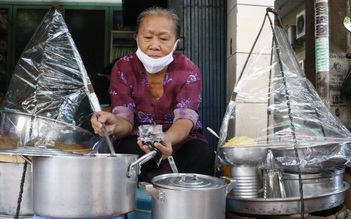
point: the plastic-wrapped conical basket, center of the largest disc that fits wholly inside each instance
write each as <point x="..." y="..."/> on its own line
<point x="275" y="110"/>
<point x="50" y="98"/>
<point x="274" y="106"/>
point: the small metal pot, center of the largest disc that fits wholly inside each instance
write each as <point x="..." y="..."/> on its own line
<point x="182" y="195"/>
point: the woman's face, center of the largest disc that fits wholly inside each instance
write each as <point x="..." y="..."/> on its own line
<point x="156" y="36"/>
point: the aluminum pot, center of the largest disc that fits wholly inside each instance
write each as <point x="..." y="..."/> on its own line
<point x="10" y="184"/>
<point x="314" y="184"/>
<point x="186" y="195"/>
<point x="83" y="186"/>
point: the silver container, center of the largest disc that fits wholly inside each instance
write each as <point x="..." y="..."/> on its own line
<point x="10" y="183"/>
<point x="247" y="182"/>
<point x="83" y="186"/>
<point x="194" y="196"/>
<point x="313" y="184"/>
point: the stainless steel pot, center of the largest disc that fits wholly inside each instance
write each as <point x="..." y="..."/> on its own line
<point x="182" y="195"/>
<point x="314" y="184"/>
<point x="83" y="186"/>
<point x="10" y="184"/>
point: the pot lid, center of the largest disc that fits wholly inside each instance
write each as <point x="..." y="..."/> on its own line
<point x="189" y="181"/>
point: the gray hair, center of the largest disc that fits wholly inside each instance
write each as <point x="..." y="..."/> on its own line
<point x="163" y="12"/>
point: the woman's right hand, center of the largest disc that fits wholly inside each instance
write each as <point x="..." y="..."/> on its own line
<point x="115" y="125"/>
<point x="107" y="118"/>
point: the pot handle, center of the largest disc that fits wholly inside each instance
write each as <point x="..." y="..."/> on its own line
<point x="28" y="161"/>
<point x="230" y="185"/>
<point x="135" y="167"/>
<point x="150" y="190"/>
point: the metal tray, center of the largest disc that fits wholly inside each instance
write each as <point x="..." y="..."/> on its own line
<point x="286" y="206"/>
<point x="36" y="151"/>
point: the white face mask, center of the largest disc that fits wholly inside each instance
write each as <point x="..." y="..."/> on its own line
<point x="155" y="65"/>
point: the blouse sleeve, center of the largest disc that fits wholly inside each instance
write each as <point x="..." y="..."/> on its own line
<point x="122" y="103"/>
<point x="189" y="97"/>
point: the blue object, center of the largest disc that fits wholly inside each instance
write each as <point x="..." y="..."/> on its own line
<point x="143" y="206"/>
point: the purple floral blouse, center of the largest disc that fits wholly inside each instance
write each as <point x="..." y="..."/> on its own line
<point x="132" y="100"/>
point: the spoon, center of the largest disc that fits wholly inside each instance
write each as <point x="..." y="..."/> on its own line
<point x="213" y="132"/>
<point x="347" y="23"/>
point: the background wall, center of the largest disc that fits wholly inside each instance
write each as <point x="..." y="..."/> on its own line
<point x="204" y="32"/>
<point x="339" y="45"/>
<point x="244" y="20"/>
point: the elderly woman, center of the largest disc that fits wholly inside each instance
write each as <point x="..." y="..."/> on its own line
<point x="156" y="85"/>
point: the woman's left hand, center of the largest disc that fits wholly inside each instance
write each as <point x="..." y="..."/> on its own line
<point x="165" y="147"/>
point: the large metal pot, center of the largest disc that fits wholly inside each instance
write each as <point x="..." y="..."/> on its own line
<point x="10" y="185"/>
<point x="83" y="186"/>
<point x="313" y="184"/>
<point x="184" y="195"/>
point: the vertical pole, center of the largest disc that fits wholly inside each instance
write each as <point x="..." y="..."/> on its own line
<point x="322" y="50"/>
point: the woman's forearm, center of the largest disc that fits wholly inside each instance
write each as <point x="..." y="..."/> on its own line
<point x="179" y="131"/>
<point x="122" y="128"/>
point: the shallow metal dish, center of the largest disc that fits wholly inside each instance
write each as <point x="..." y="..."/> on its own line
<point x="41" y="152"/>
<point x="315" y="158"/>
<point x="253" y="154"/>
<point x="23" y="129"/>
<point x="286" y="206"/>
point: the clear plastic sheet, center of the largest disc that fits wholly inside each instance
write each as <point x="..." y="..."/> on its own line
<point x="49" y="86"/>
<point x="150" y="134"/>
<point x="274" y="106"/>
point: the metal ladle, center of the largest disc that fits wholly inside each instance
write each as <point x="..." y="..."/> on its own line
<point x="213" y="132"/>
<point x="107" y="137"/>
